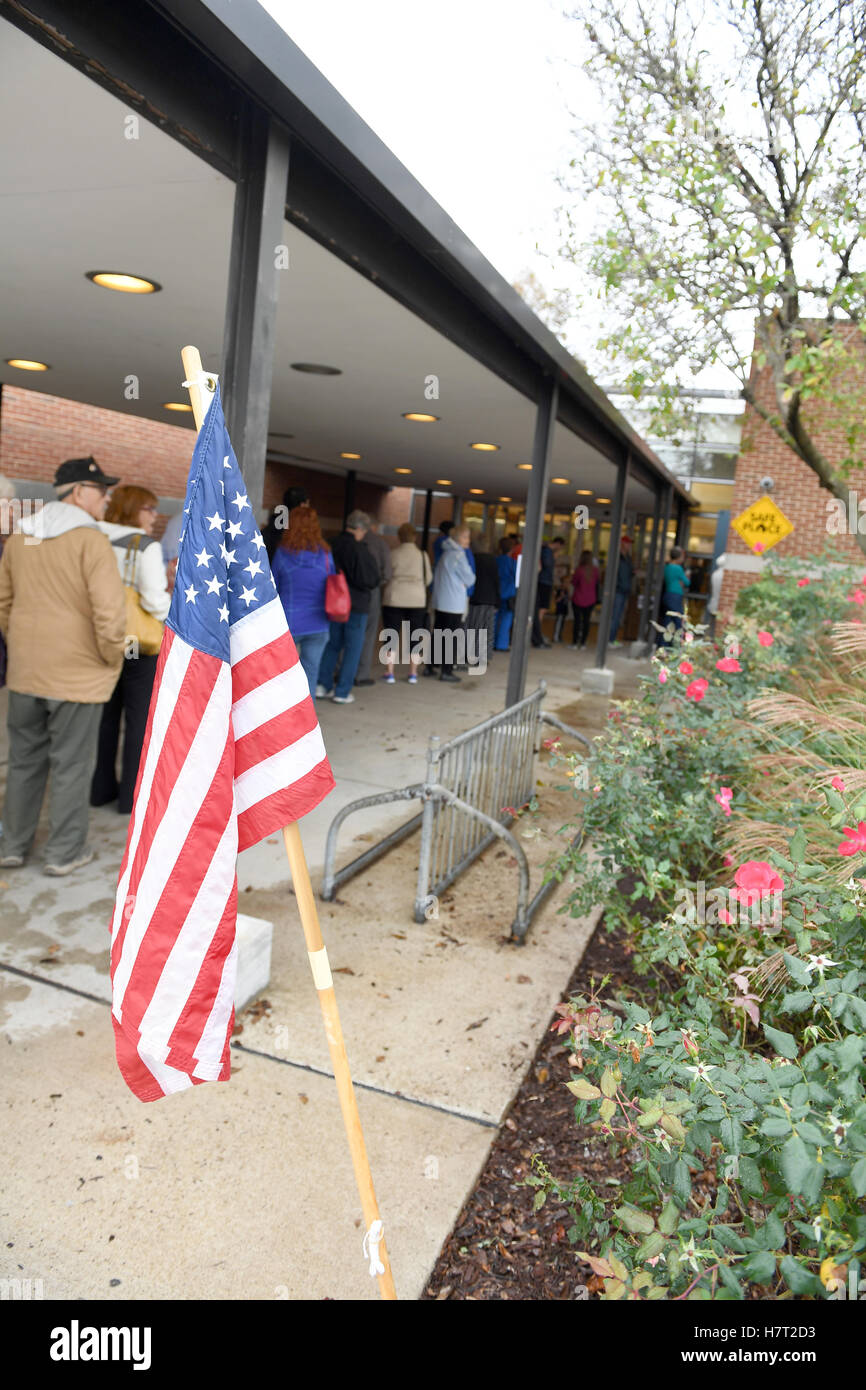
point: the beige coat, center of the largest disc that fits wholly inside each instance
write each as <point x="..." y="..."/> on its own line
<point x="62" y="608"/>
<point x="410" y="575"/>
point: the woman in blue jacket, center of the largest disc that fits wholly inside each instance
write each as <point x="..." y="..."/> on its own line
<point x="301" y="564"/>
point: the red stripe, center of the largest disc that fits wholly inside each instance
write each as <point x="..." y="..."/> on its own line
<point x="275" y="735"/>
<point x="140" y="1080"/>
<point x="179" y="893"/>
<point x="284" y="806"/>
<point x="197" y="1010"/>
<point x="262" y="665"/>
<point x="195" y="692"/>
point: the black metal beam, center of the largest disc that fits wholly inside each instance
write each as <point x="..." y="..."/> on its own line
<point x="612" y="566"/>
<point x="651" y="570"/>
<point x="425" y="529"/>
<point x="662" y="560"/>
<point x="527" y="592"/>
<point x="253" y="292"/>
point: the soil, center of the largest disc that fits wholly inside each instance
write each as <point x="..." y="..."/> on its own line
<point x="501" y="1248"/>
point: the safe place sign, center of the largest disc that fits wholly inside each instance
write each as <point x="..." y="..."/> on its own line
<point x="762" y="525"/>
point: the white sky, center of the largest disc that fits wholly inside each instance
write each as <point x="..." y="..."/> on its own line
<point x="470" y="95"/>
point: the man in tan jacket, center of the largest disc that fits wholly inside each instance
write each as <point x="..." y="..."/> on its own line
<point x="63" y="614"/>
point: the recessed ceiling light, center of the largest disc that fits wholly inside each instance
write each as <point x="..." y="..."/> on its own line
<point x="584" y="492"/>
<point x="350" y="456"/>
<point x="505" y="499"/>
<point x="603" y="499"/>
<point x="24" y="364"/>
<point x="417" y="415"/>
<point x="477" y="491"/>
<point x="443" y="482"/>
<point x="402" y="470"/>
<point x="127" y="284"/>
<point x="527" y="467"/>
<point x="486" y="448"/>
<point x="560" y="480"/>
<point x="175" y="405"/>
<point x="316" y="369"/>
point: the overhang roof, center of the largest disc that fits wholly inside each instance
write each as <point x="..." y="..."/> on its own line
<point x="82" y="197"/>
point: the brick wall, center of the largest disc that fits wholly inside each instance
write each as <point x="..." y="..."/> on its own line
<point x="797" y="490"/>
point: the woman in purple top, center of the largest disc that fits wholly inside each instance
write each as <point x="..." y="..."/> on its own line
<point x="300" y="566"/>
<point x="584" y="597"/>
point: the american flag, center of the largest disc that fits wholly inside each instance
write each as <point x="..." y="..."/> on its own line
<point x="232" y="752"/>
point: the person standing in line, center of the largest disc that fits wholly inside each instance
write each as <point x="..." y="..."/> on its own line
<point x="561" y="585"/>
<point x="675" y="582"/>
<point x="445" y="529"/>
<point x="584" y="597"/>
<point x="381" y="551"/>
<point x="63" y="615"/>
<point x="452" y="580"/>
<point x="624" y="581"/>
<point x="405" y="597"/>
<point x="345" y="640"/>
<point x="714" y="599"/>
<point x="507" y="567"/>
<point x="543" y="592"/>
<point x="484" y="600"/>
<point x="128" y="524"/>
<point x="301" y="564"/>
<point x="280" y="517"/>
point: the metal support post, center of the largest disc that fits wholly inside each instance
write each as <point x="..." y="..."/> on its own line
<point x="542" y="448"/>
<point x="612" y="563"/>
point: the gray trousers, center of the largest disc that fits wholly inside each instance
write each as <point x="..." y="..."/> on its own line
<point x="482" y="617"/>
<point x="56" y="738"/>
<point x="371" y="637"/>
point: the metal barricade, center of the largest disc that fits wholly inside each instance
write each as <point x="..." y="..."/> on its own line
<point x="473" y="785"/>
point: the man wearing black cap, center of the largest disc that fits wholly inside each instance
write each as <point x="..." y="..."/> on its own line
<point x="279" y="517"/>
<point x="63" y="614"/>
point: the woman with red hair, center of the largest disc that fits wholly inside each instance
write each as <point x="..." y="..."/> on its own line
<point x="301" y="564"/>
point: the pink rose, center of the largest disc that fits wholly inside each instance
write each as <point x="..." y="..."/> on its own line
<point x="728" y="663"/>
<point x="685" y="668"/>
<point x="753" y="879"/>
<point x="663" y="675"/>
<point x="837" y="784"/>
<point x="697" y="690"/>
<point x="856" y="842"/>
<point x="801" y="583"/>
<point x="766" y="639"/>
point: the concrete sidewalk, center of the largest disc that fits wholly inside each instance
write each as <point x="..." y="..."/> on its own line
<point x="245" y="1190"/>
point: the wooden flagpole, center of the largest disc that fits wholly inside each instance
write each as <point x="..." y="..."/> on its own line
<point x="318" y="958"/>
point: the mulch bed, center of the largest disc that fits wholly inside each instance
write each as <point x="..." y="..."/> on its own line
<point x="500" y="1247"/>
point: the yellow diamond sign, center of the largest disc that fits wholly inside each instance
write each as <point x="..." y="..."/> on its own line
<point x="762" y="525"/>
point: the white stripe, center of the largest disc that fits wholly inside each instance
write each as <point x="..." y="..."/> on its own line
<point x="280" y="771"/>
<point x="193" y="784"/>
<point x="257" y="629"/>
<point x="186" y="957"/>
<point x="276" y="696"/>
<point x="173" y="674"/>
<point x="209" y="1049"/>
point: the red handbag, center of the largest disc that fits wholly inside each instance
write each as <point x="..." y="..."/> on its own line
<point x="338" y="601"/>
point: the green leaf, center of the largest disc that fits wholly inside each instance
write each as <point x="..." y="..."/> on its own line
<point x="798" y="1001"/>
<point x="583" y="1090"/>
<point x="669" y="1218"/>
<point x="857" y="1177"/>
<point x="796" y="1162"/>
<point x="607" y="1083"/>
<point x="639" y="1223"/>
<point x="775" y="1126"/>
<point x="750" y="1177"/>
<point x="798" y="1277"/>
<point x="797" y="969"/>
<point x="782" y="1042"/>
<point x="682" y="1181"/>
<point x="730" y="1280"/>
<point x="652" y="1246"/>
<point x="607" y="1109"/>
<point x="671" y="1125"/>
<point x="760" y="1268"/>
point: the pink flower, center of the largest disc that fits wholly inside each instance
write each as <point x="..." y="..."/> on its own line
<point x="858" y="596"/>
<point x="689" y="1042"/>
<point x="766" y="639"/>
<point x="663" y="675"/>
<point x="758" y="547"/>
<point x="753" y="879"/>
<point x="856" y="842"/>
<point x="724" y="805"/>
<point x="697" y="690"/>
<point x="728" y="860"/>
<point x="728" y="663"/>
<point x="688" y="637"/>
<point x="685" y="668"/>
<point x="837" y="784"/>
<point x="725" y="916"/>
<point x="801" y="583"/>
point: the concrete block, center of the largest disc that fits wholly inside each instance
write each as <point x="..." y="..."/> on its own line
<point x="597" y="681"/>
<point x="637" y="650"/>
<point x="254" y="938"/>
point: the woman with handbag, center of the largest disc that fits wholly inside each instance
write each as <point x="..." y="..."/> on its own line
<point x="128" y="524"/>
<point x="301" y="566"/>
<point x="405" y="599"/>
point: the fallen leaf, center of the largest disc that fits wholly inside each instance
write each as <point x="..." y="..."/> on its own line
<point x="303" y="1098"/>
<point x="343" y="970"/>
<point x="524" y="980"/>
<point x="478" y="1024"/>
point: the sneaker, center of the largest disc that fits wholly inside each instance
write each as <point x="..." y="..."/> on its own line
<point x="343" y="700"/>
<point x="12" y="861"/>
<point x="389" y="679"/>
<point x="430" y="671"/>
<point x="413" y="679"/>
<point x="447" y="676"/>
<point x="322" y="693"/>
<point x="368" y="680"/>
<point x="61" y="870"/>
